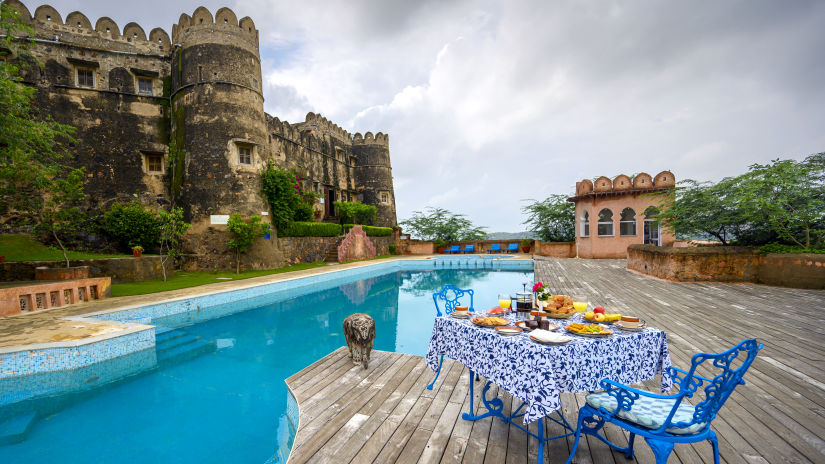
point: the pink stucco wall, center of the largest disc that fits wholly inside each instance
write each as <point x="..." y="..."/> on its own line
<point x="615" y="246"/>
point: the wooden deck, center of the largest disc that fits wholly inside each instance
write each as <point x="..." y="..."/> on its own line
<point x="385" y="414"/>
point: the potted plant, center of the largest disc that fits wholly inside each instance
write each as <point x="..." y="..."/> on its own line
<point x="137" y="250"/>
<point x="317" y="215"/>
<point x="542" y="291"/>
<point x="525" y="245"/>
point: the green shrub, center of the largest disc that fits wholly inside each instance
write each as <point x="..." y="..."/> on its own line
<point x="371" y="231"/>
<point x="310" y="229"/>
<point x="302" y="212"/>
<point x="355" y="211"/>
<point x="392" y="247"/>
<point x="783" y="248"/>
<point x="131" y="225"/>
<point x="283" y="191"/>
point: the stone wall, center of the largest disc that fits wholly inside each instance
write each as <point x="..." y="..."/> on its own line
<point x="119" y="269"/>
<point x="555" y="249"/>
<point x="800" y="270"/>
<point x="728" y="264"/>
<point x="306" y="249"/>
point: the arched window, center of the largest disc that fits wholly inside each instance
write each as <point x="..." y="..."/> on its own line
<point x="627" y="225"/>
<point x="651" y="212"/>
<point x="605" y="223"/>
<point x="585" y="227"/>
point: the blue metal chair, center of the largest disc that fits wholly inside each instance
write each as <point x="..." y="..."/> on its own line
<point x="469" y="249"/>
<point x="664" y="420"/>
<point x="453" y="249"/>
<point x="494" y="248"/>
<point x="513" y="248"/>
<point x="450" y="295"/>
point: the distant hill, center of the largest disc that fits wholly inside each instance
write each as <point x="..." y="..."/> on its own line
<point x="509" y="235"/>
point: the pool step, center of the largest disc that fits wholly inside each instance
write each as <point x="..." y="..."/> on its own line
<point x="175" y="346"/>
<point x="14" y="429"/>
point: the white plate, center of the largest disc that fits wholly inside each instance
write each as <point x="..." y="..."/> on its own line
<point x="458" y="315"/>
<point x="621" y="326"/>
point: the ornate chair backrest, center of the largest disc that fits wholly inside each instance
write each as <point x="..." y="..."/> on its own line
<point x="719" y="387"/>
<point x="450" y="295"/>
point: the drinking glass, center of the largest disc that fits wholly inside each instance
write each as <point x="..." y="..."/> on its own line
<point x="504" y="301"/>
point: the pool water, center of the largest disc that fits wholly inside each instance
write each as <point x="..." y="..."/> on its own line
<point x="230" y="405"/>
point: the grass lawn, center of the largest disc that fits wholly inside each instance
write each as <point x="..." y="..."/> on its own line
<point x="183" y="279"/>
<point x="21" y="247"/>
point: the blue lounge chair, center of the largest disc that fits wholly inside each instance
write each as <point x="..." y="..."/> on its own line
<point x="513" y="248"/>
<point x="450" y="295"/>
<point x="453" y="249"/>
<point x="494" y="248"/>
<point x="664" y="420"/>
<point x="469" y="249"/>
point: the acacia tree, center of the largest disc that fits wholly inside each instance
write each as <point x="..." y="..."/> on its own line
<point x="244" y="232"/>
<point x="790" y="197"/>
<point x="60" y="211"/>
<point x="31" y="151"/>
<point x="172" y="229"/>
<point x="442" y="225"/>
<point x="551" y="220"/>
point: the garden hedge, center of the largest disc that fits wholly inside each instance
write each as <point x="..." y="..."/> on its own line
<point x="372" y="231"/>
<point x="310" y="229"/>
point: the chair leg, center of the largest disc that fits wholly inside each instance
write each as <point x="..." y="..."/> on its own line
<point x="661" y="449"/>
<point x="440" y="362"/>
<point x="576" y="441"/>
<point x="629" y="453"/>
<point x="715" y="442"/>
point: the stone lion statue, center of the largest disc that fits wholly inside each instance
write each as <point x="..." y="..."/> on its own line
<point x="359" y="329"/>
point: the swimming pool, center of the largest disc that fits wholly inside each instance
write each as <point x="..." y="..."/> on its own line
<point x="230" y="402"/>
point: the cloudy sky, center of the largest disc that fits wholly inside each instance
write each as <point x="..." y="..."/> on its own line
<point x="489" y="103"/>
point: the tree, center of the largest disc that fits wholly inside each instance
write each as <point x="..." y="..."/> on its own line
<point x="441" y="224"/>
<point x="31" y="151"/>
<point x="703" y="209"/>
<point x="172" y="230"/>
<point x="551" y="220"/>
<point x="286" y="196"/>
<point x="790" y="197"/>
<point x="355" y="212"/>
<point x="244" y="232"/>
<point x="60" y="211"/>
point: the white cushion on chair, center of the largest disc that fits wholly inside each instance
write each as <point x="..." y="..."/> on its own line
<point x="649" y="412"/>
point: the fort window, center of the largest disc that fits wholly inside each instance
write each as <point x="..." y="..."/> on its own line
<point x="200" y="73"/>
<point x="85" y="78"/>
<point x="145" y="85"/>
<point x="605" y="227"/>
<point x="627" y="225"/>
<point x="244" y="155"/>
<point x="153" y="162"/>
<point x="255" y="83"/>
<point x="385" y="197"/>
<point x="344" y="196"/>
<point x="585" y="227"/>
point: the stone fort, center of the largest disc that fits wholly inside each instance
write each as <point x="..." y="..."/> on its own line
<point x="132" y="97"/>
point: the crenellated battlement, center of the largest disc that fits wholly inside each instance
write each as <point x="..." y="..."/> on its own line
<point x="641" y="181"/>
<point x="224" y="20"/>
<point x="48" y="24"/>
<point x="321" y="128"/>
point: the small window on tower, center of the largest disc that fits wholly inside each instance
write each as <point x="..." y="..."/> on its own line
<point x="385" y="197"/>
<point x="153" y="162"/>
<point x="85" y="78"/>
<point x="145" y="85"/>
<point x="244" y="155"/>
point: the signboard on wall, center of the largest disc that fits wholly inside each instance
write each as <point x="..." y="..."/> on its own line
<point x="219" y="219"/>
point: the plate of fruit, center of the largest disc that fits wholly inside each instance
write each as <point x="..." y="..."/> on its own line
<point x="496" y="311"/>
<point x="601" y="316"/>
<point x="589" y="330"/>
<point x="489" y="321"/>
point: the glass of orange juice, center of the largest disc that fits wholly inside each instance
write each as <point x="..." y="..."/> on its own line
<point x="504" y="301"/>
<point x="579" y="305"/>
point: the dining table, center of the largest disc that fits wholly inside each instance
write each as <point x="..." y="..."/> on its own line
<point x="537" y="374"/>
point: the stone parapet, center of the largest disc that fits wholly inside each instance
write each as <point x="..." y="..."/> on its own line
<point x="728" y="264"/>
<point x="555" y="249"/>
<point x="119" y="269"/>
<point x="39" y="295"/>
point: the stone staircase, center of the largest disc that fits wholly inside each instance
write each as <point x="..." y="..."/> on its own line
<point x="332" y="253"/>
<point x="173" y="346"/>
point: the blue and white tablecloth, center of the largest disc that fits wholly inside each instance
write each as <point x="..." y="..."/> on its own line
<point x="537" y="374"/>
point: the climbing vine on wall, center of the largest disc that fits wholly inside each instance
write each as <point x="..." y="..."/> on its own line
<point x="282" y="189"/>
